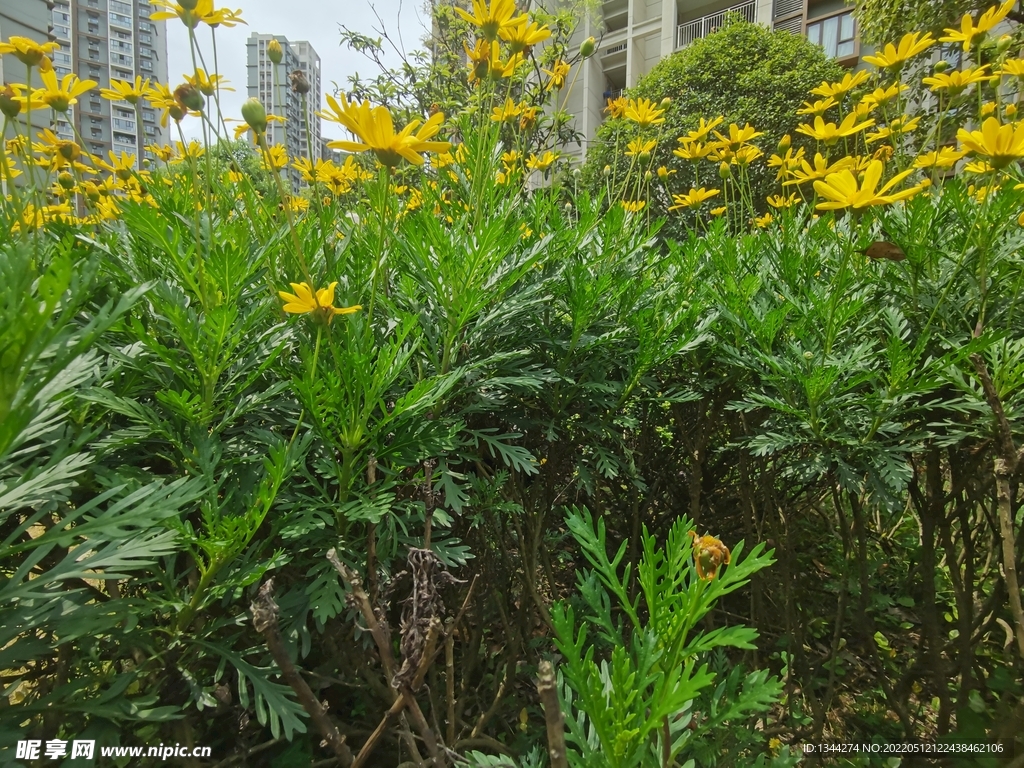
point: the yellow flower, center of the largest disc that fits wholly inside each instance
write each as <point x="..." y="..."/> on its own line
<point x="778" y="201"/>
<point x="510" y="159"/>
<point x="479" y="59"/>
<point x="1013" y="67"/>
<point x="508" y="112"/>
<point x="522" y="36"/>
<point x="819" y="107"/>
<point x="897" y="127"/>
<point x="123" y="167"/>
<point x="702" y="130"/>
<point x="160" y="97"/>
<point x="978" y="167"/>
<point x="709" y="553"/>
<point x="830" y="133"/>
<point x="376" y="132"/>
<point x="718" y="211"/>
<point x="844" y="86"/>
<point x="28" y="52"/>
<point x="643" y="112"/>
<point x="946" y="157"/>
<point x="207" y="84"/>
<point x="639" y="146"/>
<point x="909" y="46"/>
<point x="693" y="150"/>
<point x="163" y="152"/>
<point x="817" y="169"/>
<point x="616" y="107"/>
<point x="762" y="222"/>
<point x="693" y="199"/>
<point x="738" y="136"/>
<point x="969" y="31"/>
<point x="558" y="72"/>
<point x="664" y="173"/>
<point x="119" y="90"/>
<point x="493" y="19"/>
<point x="202" y="12"/>
<point x="321" y="302"/>
<point x="274" y="158"/>
<point x="498" y="68"/>
<point x="786" y="163"/>
<point x="60" y="96"/>
<point x="308" y="170"/>
<point x="746" y="155"/>
<point x="881" y="97"/>
<point x="633" y="206"/>
<point x="1000" y="144"/>
<point x="541" y="163"/>
<point x="842" y="189"/>
<point x="954" y="82"/>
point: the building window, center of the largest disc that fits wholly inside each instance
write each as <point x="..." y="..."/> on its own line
<point x="837" y="34"/>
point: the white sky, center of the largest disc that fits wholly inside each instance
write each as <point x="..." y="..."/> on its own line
<point x="317" y="21"/>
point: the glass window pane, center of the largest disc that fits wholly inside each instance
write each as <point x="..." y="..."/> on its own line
<point x="844" y="49"/>
<point x="829" y="30"/>
<point x="814" y="33"/>
<point x="846" y="26"/>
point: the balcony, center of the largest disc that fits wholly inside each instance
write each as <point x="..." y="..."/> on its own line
<point x="689" y="31"/>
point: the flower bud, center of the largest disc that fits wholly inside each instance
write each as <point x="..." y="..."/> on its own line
<point x="784" y="144"/>
<point x="941" y="66"/>
<point x="724" y="171"/>
<point x="69" y="150"/>
<point x="568" y="207"/>
<point x="300" y="84"/>
<point x="274" y="51"/>
<point x="576" y="172"/>
<point x="644" y="157"/>
<point x="65" y="180"/>
<point x="648" y="175"/>
<point x="255" y="115"/>
<point x="1003" y="44"/>
<point x="666" y="102"/>
<point x="189" y="97"/>
<point x="607" y="170"/>
<point x="9" y="105"/>
<point x="808" y="355"/>
<point x="587" y="47"/>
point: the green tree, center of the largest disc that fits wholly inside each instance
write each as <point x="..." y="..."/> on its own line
<point x="745" y="73"/>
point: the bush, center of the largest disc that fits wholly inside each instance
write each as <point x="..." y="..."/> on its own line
<point x="745" y="73"/>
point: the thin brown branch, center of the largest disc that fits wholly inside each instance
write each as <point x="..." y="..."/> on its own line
<point x="548" y="692"/>
<point x="362" y="600"/>
<point x="264" y="620"/>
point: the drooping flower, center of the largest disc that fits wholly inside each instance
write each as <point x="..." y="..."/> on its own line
<point x="999" y="144"/>
<point x="946" y="157"/>
<point x="780" y="202"/>
<point x="375" y="130"/>
<point x="820" y="107"/>
<point x="738" y="136"/>
<point x="557" y="74"/>
<point x="700" y="133"/>
<point x="881" y="97"/>
<point x="633" y="206"/>
<point x="909" y="46"/>
<point x="709" y="553"/>
<point x="842" y="189"/>
<point x="898" y="126"/>
<point x="321" y="302"/>
<point x="693" y="150"/>
<point x="506" y="112"/>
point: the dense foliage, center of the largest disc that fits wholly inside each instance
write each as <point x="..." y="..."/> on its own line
<point x="435" y="463"/>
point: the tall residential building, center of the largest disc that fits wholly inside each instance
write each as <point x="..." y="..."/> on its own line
<point x="270" y="84"/>
<point x="637" y="34"/>
<point x="103" y="40"/>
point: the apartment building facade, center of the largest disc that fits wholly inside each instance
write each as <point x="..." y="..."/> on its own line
<point x="106" y="40"/>
<point x="635" y="35"/>
<point x="270" y="83"/>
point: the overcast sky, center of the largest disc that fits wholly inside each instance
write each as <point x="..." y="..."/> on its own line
<point x="317" y="21"/>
